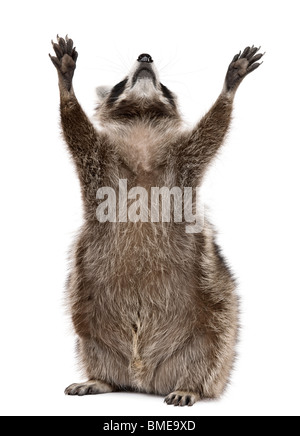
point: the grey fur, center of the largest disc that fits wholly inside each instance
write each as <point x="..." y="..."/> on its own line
<point x="154" y="308"/>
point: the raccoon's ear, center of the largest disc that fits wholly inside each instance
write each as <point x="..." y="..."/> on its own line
<point x="102" y="92"/>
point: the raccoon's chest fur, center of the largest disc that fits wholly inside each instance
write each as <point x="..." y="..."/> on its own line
<point x="143" y="146"/>
<point x="138" y="147"/>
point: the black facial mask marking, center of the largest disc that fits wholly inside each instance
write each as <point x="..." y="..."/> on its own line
<point x="168" y="94"/>
<point x="117" y="91"/>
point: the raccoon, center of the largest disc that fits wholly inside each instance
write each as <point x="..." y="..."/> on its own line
<point x="154" y="307"/>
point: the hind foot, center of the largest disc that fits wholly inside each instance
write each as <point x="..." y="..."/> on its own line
<point x="89" y="387"/>
<point x="182" y="398"/>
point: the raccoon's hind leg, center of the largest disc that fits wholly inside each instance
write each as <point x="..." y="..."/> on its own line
<point x="201" y="367"/>
<point x="88" y="388"/>
<point x="192" y="375"/>
<point x="106" y="371"/>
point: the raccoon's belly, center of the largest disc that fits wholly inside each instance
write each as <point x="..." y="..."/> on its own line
<point x="140" y="287"/>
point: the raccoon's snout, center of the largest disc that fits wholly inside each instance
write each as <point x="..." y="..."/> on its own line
<point x="145" y="58"/>
<point x="144" y="69"/>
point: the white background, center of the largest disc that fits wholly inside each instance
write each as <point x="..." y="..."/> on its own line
<point x="252" y="188"/>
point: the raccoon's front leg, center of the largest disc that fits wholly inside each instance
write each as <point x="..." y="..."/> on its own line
<point x="87" y="146"/>
<point x="79" y="132"/>
<point x="200" y="146"/>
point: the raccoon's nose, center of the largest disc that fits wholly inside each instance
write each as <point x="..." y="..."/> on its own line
<point x="145" y="58"/>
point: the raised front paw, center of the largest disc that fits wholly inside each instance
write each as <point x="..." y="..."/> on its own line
<point x="241" y="65"/>
<point x="65" y="60"/>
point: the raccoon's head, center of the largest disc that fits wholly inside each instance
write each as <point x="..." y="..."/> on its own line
<point x="140" y="95"/>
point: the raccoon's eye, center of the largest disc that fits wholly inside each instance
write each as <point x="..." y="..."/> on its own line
<point x="117" y="91"/>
